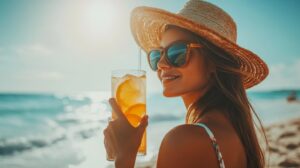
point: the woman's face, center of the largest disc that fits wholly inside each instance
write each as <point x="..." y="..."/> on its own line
<point x="191" y="78"/>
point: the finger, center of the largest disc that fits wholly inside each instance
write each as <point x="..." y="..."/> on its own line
<point x="117" y="109"/>
<point x="107" y="146"/>
<point x="143" y="123"/>
<point x="113" y="139"/>
<point x="110" y="138"/>
<point x="105" y="132"/>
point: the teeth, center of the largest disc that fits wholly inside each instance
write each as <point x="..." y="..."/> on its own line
<point x="170" y="77"/>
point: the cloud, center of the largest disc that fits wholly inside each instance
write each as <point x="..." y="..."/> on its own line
<point x="33" y="50"/>
<point x="282" y="76"/>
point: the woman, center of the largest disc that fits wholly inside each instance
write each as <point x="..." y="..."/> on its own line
<point x="196" y="57"/>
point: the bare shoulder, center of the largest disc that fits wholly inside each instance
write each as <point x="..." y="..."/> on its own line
<point x="186" y="146"/>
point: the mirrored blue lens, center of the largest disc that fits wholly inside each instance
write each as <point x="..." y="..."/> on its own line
<point x="154" y="57"/>
<point x="177" y="54"/>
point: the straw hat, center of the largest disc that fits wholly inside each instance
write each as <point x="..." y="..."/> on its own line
<point x="204" y="19"/>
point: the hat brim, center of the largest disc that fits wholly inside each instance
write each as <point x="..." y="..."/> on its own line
<point x="147" y="25"/>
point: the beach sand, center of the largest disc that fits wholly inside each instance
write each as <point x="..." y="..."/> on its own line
<point x="284" y="144"/>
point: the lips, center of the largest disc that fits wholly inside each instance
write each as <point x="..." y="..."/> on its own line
<point x="169" y="77"/>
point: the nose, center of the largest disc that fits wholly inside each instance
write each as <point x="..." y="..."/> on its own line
<point x="162" y="63"/>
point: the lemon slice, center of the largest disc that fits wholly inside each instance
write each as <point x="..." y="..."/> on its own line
<point x="137" y="109"/>
<point x="130" y="91"/>
<point x="133" y="119"/>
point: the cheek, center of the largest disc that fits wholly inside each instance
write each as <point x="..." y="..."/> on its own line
<point x="196" y="74"/>
<point x="194" y="77"/>
<point x="194" y="81"/>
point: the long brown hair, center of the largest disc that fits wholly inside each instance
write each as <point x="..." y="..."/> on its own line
<point x="228" y="94"/>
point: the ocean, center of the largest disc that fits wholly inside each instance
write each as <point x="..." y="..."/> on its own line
<point x="65" y="130"/>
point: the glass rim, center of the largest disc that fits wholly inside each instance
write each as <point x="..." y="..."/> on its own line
<point x="128" y="71"/>
<point x="123" y="72"/>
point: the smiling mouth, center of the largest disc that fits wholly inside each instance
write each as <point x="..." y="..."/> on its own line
<point x="169" y="79"/>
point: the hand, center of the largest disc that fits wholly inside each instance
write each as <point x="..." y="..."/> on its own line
<point x="121" y="139"/>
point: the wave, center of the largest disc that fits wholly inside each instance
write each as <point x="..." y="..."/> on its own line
<point x="75" y="130"/>
<point x="17" y="145"/>
<point x="10" y="147"/>
<point x="39" y="103"/>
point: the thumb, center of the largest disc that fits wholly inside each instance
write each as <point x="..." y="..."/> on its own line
<point x="143" y="123"/>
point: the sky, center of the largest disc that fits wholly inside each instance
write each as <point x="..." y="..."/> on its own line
<point x="72" y="46"/>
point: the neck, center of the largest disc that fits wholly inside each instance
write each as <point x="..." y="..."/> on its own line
<point x="191" y="97"/>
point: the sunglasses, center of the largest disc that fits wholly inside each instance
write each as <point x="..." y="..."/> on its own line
<point x="176" y="54"/>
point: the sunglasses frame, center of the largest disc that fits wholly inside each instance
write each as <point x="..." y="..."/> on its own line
<point x="163" y="52"/>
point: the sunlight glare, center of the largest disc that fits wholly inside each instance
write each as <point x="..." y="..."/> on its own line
<point x="98" y="18"/>
<point x="94" y="22"/>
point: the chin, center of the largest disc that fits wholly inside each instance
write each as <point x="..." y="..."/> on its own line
<point x="167" y="93"/>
